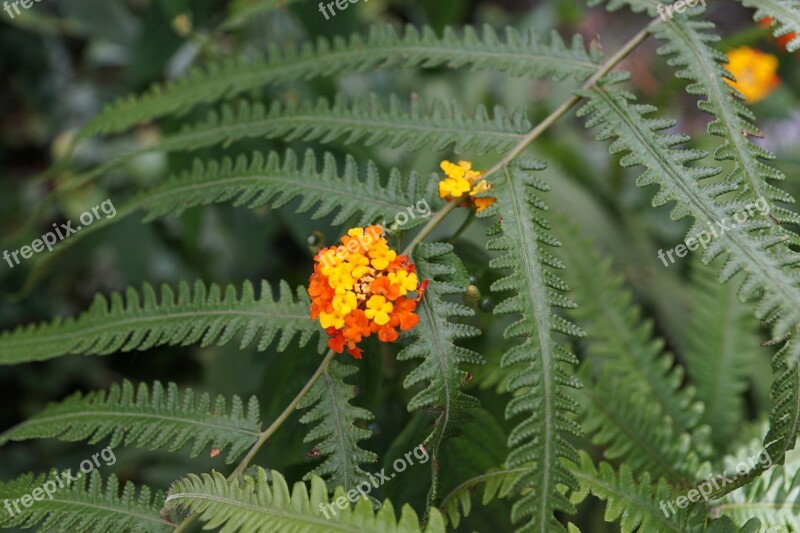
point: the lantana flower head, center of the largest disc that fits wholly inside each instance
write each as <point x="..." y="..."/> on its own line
<point x="755" y="72"/>
<point x="464" y="183"/>
<point x="359" y="288"/>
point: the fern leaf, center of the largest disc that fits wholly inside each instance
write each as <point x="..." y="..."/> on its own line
<point x="633" y="429"/>
<point x="497" y="484"/>
<point x="199" y="315"/>
<point x="619" y="339"/>
<point x="542" y="379"/>
<point x="525" y="54"/>
<point x="784" y="419"/>
<point x="721" y="348"/>
<point x="273" y="181"/>
<point x="336" y="435"/>
<point x="83" y="505"/>
<point x="784" y="13"/>
<point x="770" y="272"/>
<point x="366" y="119"/>
<point x="773" y="499"/>
<point x="264" y="503"/>
<point x="442" y="359"/>
<point x="636" y="504"/>
<point x="687" y="47"/>
<point x="156" y="418"/>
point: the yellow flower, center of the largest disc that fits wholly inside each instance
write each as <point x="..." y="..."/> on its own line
<point x="344" y="303"/>
<point x="453" y="187"/>
<point x="755" y="73"/>
<point x="328" y="320"/>
<point x="381" y="255"/>
<point x="481" y="203"/>
<point x="378" y="310"/>
<point x="462" y="179"/>
<point x="405" y="281"/>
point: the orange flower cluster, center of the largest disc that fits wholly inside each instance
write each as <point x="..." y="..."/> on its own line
<point x="359" y="288"/>
<point x="461" y="180"/>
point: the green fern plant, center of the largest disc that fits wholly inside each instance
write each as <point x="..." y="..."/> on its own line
<point x="517" y="330"/>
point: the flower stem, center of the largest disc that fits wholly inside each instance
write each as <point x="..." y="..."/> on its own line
<point x="267" y="433"/>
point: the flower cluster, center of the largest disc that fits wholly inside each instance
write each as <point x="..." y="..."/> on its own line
<point x="462" y="181"/>
<point x="755" y="72"/>
<point x="359" y="288"/>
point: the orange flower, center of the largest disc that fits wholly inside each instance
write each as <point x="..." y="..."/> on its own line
<point x="460" y="180"/>
<point x="359" y="288"/>
<point x="755" y="73"/>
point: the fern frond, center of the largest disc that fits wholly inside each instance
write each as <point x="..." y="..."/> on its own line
<point x="521" y="54"/>
<point x="774" y="499"/>
<point x="335" y="433"/>
<point x="274" y="180"/>
<point x="631" y="428"/>
<point x="770" y="269"/>
<point x="365" y="120"/>
<point x="264" y="503"/>
<point x="785" y="15"/>
<point x="497" y="484"/>
<point x="543" y="377"/>
<point x="784" y="418"/>
<point x="687" y="46"/>
<point x="721" y="348"/>
<point x="156" y="418"/>
<point x="636" y="504"/>
<point x="85" y="505"/>
<point x="277" y="181"/>
<point x="619" y="339"/>
<point x="198" y="315"/>
<point x="442" y="359"/>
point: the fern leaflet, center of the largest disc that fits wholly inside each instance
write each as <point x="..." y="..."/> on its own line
<point x="722" y="347"/>
<point x="785" y="15"/>
<point x="83" y="505"/>
<point x="524" y="54"/>
<point x="335" y="434"/>
<point x="541" y="381"/>
<point x="155" y="418"/>
<point x="770" y="268"/>
<point x="264" y="503"/>
<point x="199" y="315"/>
<point x="443" y="360"/>
<point x="636" y="504"/>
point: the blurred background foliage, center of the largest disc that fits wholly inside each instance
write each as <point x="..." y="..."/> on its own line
<point x="61" y="61"/>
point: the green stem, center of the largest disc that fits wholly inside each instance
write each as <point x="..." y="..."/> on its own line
<point x="267" y="433"/>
